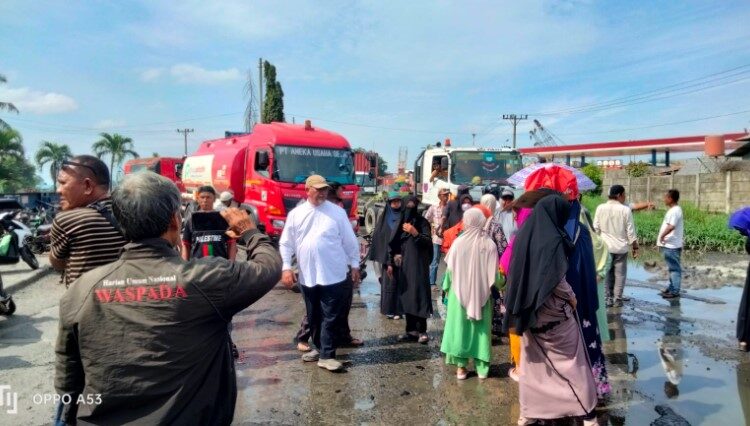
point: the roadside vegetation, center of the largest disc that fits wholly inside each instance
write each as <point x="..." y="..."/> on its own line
<point x="703" y="231"/>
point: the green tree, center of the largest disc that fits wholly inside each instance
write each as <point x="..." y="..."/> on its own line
<point x="595" y="173"/>
<point x="117" y="147"/>
<point x="155" y="154"/>
<point x="273" y="105"/>
<point x="638" y="169"/>
<point x="6" y="106"/>
<point x="55" y="155"/>
<point x="15" y="171"/>
<point x="11" y="143"/>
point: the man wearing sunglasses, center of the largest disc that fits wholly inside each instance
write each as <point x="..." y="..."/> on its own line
<point x="84" y="235"/>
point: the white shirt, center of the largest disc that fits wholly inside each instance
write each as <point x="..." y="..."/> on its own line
<point x="614" y="222"/>
<point x="324" y="242"/>
<point x="673" y="240"/>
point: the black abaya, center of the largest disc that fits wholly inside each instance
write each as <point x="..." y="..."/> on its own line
<point x="380" y="253"/>
<point x="414" y="274"/>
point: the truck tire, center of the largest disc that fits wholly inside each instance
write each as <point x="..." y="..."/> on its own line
<point x="371" y="217"/>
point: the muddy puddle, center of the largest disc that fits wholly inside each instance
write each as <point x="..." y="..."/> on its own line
<point x="679" y="354"/>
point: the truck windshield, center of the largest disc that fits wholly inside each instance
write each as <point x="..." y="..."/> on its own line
<point x="296" y="163"/>
<point x="474" y="168"/>
<point x="364" y="179"/>
<point x="150" y="166"/>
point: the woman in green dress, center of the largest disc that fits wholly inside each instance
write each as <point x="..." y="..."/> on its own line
<point x="471" y="272"/>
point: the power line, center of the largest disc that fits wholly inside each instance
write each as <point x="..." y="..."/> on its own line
<point x="654" y="94"/>
<point x="659" y="125"/>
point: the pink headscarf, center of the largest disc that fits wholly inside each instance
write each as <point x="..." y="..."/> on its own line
<point x="523" y="214"/>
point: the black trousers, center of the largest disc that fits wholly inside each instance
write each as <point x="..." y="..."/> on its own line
<point x="416" y="324"/>
<point x="324" y="305"/>
<point x="343" y="331"/>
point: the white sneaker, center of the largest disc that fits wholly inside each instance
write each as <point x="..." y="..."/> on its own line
<point x="330" y="364"/>
<point x="311" y="356"/>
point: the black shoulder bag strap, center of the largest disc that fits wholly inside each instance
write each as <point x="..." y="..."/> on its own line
<point x="106" y="213"/>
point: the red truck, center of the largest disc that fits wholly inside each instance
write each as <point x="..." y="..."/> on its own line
<point x="268" y="168"/>
<point x="169" y="167"/>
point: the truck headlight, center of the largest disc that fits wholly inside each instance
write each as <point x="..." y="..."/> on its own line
<point x="278" y="224"/>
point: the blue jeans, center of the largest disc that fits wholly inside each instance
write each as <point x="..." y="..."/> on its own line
<point x="435" y="263"/>
<point x="672" y="257"/>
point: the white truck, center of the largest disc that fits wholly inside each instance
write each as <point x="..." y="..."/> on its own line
<point x="461" y="166"/>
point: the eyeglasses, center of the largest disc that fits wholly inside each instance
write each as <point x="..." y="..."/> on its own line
<point x="76" y="164"/>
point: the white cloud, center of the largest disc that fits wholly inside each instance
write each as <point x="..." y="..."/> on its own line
<point x="36" y="102"/>
<point x="151" y="74"/>
<point x="109" y="123"/>
<point x="188" y="73"/>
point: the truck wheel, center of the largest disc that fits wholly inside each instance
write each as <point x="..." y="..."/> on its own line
<point x="370" y="218"/>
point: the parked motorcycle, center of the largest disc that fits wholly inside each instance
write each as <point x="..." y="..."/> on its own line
<point x="8" y="224"/>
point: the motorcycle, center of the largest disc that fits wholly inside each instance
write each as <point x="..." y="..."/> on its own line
<point x="8" y="224"/>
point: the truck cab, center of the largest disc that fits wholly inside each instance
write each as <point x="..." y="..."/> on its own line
<point x="268" y="168"/>
<point x="169" y="167"/>
<point x="473" y="167"/>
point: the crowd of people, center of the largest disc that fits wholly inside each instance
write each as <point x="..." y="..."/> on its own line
<point x="536" y="262"/>
<point x="166" y="287"/>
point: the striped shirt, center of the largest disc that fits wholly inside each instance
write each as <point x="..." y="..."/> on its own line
<point x="86" y="239"/>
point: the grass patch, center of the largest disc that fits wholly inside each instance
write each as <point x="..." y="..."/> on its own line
<point x="703" y="231"/>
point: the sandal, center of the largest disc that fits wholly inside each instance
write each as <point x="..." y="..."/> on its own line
<point x="356" y="342"/>
<point x="407" y="338"/>
<point x="513" y="374"/>
<point x="461" y="373"/>
<point x="743" y="346"/>
<point x="423" y="339"/>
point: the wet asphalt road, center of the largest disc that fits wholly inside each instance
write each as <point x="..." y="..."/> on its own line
<point x="391" y="383"/>
<point x="385" y="382"/>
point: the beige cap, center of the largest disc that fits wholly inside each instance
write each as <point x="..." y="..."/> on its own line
<point x="317" y="182"/>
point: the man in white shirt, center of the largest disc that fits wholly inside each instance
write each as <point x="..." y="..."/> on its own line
<point x="670" y="243"/>
<point x="613" y="220"/>
<point x="319" y="233"/>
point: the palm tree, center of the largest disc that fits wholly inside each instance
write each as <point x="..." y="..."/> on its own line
<point x="11" y="143"/>
<point x="55" y="155"/>
<point x="6" y="106"/>
<point x="118" y="147"/>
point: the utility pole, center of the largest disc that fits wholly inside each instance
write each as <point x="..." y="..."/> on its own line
<point x="473" y="136"/>
<point x="513" y="118"/>
<point x="260" y="89"/>
<point x="185" y="133"/>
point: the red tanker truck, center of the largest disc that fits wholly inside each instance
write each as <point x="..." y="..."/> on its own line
<point x="268" y="168"/>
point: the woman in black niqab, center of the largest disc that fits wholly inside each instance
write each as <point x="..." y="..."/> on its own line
<point x="386" y="230"/>
<point x="539" y="262"/>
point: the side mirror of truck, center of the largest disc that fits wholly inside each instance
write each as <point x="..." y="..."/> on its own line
<point x="371" y="175"/>
<point x="262" y="161"/>
<point x="373" y="161"/>
<point x="444" y="163"/>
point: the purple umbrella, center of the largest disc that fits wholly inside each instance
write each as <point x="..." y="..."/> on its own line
<point x="740" y="220"/>
<point x="518" y="179"/>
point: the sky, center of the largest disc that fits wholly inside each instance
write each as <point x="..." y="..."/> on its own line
<point x="385" y="74"/>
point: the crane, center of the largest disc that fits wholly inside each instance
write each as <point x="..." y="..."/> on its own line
<point x="543" y="137"/>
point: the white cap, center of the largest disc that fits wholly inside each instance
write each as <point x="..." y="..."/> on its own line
<point x="226" y="196"/>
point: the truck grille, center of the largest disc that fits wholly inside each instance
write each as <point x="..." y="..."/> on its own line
<point x="290" y="203"/>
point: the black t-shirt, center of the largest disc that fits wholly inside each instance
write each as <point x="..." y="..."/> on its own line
<point x="205" y="232"/>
